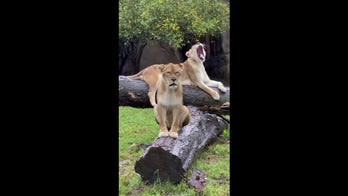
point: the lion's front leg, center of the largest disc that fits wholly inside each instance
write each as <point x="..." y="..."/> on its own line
<point x="175" y="123"/>
<point x="160" y="115"/>
<point x="217" y="84"/>
<point x="210" y="91"/>
<point x="181" y="118"/>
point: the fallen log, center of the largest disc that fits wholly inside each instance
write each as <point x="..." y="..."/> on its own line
<point x="134" y="93"/>
<point x="169" y="159"/>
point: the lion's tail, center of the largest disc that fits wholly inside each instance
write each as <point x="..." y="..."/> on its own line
<point x="136" y="76"/>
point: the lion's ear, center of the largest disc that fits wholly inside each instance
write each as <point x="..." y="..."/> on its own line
<point x="161" y="67"/>
<point x="181" y="65"/>
<point x="188" y="53"/>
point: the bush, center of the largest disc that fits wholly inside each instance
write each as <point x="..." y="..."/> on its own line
<point x="175" y="22"/>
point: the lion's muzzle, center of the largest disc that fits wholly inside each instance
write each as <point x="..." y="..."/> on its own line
<point x="200" y="52"/>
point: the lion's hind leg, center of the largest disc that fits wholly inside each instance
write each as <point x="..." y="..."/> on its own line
<point x="152" y="91"/>
<point x="185" y="117"/>
<point x="151" y="76"/>
<point x="152" y="96"/>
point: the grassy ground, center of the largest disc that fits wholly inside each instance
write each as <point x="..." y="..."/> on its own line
<point x="137" y="127"/>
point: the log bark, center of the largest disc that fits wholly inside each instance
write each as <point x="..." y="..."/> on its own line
<point x="134" y="93"/>
<point x="169" y="159"/>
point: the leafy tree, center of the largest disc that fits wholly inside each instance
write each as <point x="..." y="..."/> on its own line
<point x="176" y="22"/>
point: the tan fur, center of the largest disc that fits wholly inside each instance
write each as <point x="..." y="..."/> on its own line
<point x="170" y="113"/>
<point x="193" y="74"/>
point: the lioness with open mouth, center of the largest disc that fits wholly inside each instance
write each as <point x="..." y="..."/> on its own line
<point x="170" y="113"/>
<point x="193" y="74"/>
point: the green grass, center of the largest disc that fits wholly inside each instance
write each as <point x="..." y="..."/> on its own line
<point x="138" y="126"/>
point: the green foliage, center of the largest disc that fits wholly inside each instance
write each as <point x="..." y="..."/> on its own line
<point x="171" y="21"/>
<point x="138" y="126"/>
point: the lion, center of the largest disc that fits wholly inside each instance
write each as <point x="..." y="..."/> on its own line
<point x="170" y="113"/>
<point x="193" y="74"/>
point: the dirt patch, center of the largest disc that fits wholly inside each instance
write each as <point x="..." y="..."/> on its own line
<point x="123" y="163"/>
<point x="135" y="191"/>
<point x="142" y="146"/>
<point x="212" y="159"/>
<point x="122" y="166"/>
<point x="221" y="180"/>
<point x="197" y="180"/>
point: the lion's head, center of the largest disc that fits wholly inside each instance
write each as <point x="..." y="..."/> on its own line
<point x="171" y="74"/>
<point x="197" y="52"/>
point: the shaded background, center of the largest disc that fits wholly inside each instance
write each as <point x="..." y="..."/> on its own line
<point x="136" y="57"/>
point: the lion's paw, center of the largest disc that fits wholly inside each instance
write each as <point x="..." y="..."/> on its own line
<point x="223" y="89"/>
<point x="216" y="96"/>
<point x="163" y="134"/>
<point x="173" y="134"/>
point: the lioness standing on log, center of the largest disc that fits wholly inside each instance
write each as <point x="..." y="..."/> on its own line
<point x="193" y="74"/>
<point x="170" y="113"/>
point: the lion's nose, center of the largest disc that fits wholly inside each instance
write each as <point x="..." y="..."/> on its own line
<point x="173" y="79"/>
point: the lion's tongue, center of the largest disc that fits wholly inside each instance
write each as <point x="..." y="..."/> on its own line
<point x="200" y="52"/>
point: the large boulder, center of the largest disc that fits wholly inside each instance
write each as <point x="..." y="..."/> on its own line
<point x="159" y="52"/>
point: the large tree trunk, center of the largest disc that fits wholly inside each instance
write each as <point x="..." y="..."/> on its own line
<point x="134" y="93"/>
<point x="168" y="158"/>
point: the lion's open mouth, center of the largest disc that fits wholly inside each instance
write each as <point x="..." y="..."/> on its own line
<point x="200" y="52"/>
<point x="173" y="84"/>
